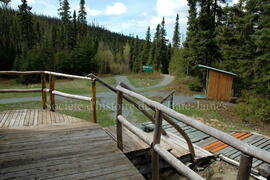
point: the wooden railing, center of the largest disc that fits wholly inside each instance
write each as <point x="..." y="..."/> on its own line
<point x="161" y="111"/>
<point x="52" y="90"/>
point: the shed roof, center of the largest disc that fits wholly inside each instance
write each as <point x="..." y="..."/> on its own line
<point x="218" y="70"/>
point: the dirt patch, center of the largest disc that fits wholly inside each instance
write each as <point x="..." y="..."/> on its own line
<point x="181" y="87"/>
<point x="218" y="170"/>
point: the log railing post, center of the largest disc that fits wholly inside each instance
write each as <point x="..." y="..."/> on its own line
<point x="171" y="102"/>
<point x="118" y="123"/>
<point x="94" y="101"/>
<point x="43" y="91"/>
<point x="245" y="167"/>
<point x="156" y="140"/>
<point x="52" y="96"/>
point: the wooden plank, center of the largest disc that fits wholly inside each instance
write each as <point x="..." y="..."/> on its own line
<point x="22" y="119"/>
<point x="261" y="144"/>
<point x="27" y="117"/>
<point x="248" y="140"/>
<point x="14" y="118"/>
<point x="35" y="123"/>
<point x="9" y="118"/>
<point x="2" y="115"/>
<point x="39" y="118"/>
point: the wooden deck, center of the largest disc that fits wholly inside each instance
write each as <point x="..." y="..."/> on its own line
<point x="39" y="144"/>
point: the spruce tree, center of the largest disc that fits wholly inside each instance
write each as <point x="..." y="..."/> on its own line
<point x="155" y="48"/>
<point x="176" y="34"/>
<point x="82" y="22"/>
<point x="146" y="47"/>
<point x="26" y="24"/>
<point x="73" y="38"/>
<point x="66" y="28"/>
<point x="162" y="58"/>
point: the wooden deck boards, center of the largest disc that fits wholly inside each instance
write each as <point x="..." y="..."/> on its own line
<point x="32" y="118"/>
<point x="35" y="144"/>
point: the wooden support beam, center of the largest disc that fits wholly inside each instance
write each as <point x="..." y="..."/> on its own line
<point x="43" y="91"/>
<point x="119" y="129"/>
<point x="52" y="96"/>
<point x="245" y="167"/>
<point x="156" y="140"/>
<point x="94" y="102"/>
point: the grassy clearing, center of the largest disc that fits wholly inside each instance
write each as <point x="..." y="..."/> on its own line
<point x="181" y="86"/>
<point x="145" y="79"/>
<point x="68" y="86"/>
<point x="222" y="116"/>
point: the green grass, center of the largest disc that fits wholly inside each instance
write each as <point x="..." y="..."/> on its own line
<point x="67" y="86"/>
<point x="145" y="79"/>
<point x="196" y="112"/>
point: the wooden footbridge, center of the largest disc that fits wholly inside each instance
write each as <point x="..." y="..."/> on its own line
<point x="44" y="144"/>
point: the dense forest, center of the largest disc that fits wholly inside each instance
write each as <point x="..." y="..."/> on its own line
<point x="234" y="38"/>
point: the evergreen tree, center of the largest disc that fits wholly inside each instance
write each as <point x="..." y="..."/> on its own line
<point x="176" y="34"/>
<point x="26" y="24"/>
<point x="82" y="22"/>
<point x="162" y="48"/>
<point x="146" y="47"/>
<point x="66" y="29"/>
<point x="73" y="37"/>
<point x="136" y="60"/>
<point x="155" y="48"/>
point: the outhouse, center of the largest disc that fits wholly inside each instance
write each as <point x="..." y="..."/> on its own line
<point x="219" y="83"/>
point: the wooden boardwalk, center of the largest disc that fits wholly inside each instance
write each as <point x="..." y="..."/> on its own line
<point x="39" y="144"/>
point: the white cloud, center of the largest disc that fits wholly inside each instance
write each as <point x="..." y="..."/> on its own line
<point x="116" y="9"/>
<point x="169" y="8"/>
<point x="143" y="14"/>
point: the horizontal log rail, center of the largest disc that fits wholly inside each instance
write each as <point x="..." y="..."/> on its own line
<point x="20" y="72"/>
<point x="72" y="96"/>
<point x="45" y="72"/>
<point x="20" y="90"/>
<point x="68" y="75"/>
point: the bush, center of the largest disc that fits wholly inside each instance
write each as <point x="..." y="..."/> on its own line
<point x="254" y="108"/>
<point x="195" y="86"/>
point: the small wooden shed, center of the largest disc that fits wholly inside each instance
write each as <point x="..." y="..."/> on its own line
<point x="218" y="83"/>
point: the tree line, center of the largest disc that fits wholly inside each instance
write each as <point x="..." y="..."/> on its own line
<point x="69" y="44"/>
<point x="234" y="38"/>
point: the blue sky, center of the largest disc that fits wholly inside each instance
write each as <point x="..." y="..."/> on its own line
<point x="123" y="16"/>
